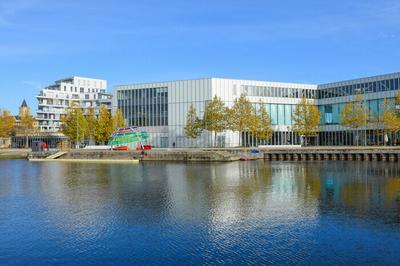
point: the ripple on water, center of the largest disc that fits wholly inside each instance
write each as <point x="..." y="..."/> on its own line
<point x="233" y="213"/>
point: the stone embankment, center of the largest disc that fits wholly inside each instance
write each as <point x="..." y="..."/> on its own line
<point x="185" y="155"/>
<point x="234" y="154"/>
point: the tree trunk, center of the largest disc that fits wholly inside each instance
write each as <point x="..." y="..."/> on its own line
<point x="215" y="138"/>
<point x="26" y="141"/>
<point x="357" y="137"/>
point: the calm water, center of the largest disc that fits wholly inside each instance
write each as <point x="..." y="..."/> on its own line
<point x="168" y="213"/>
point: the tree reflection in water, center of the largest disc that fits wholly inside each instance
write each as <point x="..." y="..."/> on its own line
<point x="258" y="211"/>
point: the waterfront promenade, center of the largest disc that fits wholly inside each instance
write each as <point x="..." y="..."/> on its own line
<point x="384" y="153"/>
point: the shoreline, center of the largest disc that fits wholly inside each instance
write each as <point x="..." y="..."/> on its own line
<point x="14" y="153"/>
<point x="228" y="154"/>
<point x="373" y="153"/>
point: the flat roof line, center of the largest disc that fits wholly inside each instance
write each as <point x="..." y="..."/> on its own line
<point x="362" y="78"/>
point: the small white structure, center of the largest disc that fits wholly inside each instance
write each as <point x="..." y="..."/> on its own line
<point x="103" y="147"/>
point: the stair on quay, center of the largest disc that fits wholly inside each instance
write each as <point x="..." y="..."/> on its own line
<point x="56" y="155"/>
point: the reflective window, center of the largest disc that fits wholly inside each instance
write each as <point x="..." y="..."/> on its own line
<point x="274" y="114"/>
<point x="288" y="114"/>
<point x="144" y="107"/>
<point x="265" y="91"/>
<point x="281" y="114"/>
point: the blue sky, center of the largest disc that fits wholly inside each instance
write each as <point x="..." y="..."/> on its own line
<point x="153" y="40"/>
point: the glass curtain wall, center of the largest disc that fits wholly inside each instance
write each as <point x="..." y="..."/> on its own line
<point x="365" y="87"/>
<point x="144" y="107"/>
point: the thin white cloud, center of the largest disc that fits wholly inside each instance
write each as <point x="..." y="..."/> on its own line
<point x="32" y="84"/>
<point x="10" y="8"/>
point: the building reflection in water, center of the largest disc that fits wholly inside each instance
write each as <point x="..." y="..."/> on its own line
<point x="81" y="197"/>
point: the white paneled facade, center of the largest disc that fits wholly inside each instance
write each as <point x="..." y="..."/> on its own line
<point x="161" y="108"/>
<point x="181" y="94"/>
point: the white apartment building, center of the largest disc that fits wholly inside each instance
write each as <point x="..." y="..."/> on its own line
<point x="54" y="100"/>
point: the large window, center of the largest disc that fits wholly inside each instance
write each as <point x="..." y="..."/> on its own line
<point x="144" y="107"/>
<point x="288" y="114"/>
<point x="274" y="114"/>
<point x="280" y="114"/>
<point x="328" y="114"/>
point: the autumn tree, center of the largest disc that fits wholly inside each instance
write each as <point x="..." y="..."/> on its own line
<point x="74" y="124"/>
<point x="355" y="115"/>
<point x="7" y="123"/>
<point x="215" y="117"/>
<point x="262" y="124"/>
<point x="193" y="125"/>
<point x="104" y="125"/>
<point x="306" y="118"/>
<point x="118" y="119"/>
<point x="391" y="118"/>
<point x="242" y="117"/>
<point x="91" y="124"/>
<point x="26" y="123"/>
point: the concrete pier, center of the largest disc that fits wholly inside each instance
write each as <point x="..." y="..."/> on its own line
<point x="391" y="154"/>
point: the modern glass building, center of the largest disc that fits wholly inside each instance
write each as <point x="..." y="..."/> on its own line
<point x="161" y="108"/>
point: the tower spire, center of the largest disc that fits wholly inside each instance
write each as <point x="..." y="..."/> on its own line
<point x="24" y="104"/>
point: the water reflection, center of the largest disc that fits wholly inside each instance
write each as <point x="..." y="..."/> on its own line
<point x="244" y="209"/>
<point x="219" y="192"/>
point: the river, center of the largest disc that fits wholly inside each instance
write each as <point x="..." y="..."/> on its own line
<point x="200" y="213"/>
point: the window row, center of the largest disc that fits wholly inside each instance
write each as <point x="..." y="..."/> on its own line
<point x="280" y="114"/>
<point x="331" y="113"/>
<point x="264" y="91"/>
<point x="363" y="88"/>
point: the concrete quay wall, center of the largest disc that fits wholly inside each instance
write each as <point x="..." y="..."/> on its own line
<point x="334" y="153"/>
<point x="234" y="154"/>
<point x="153" y="155"/>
